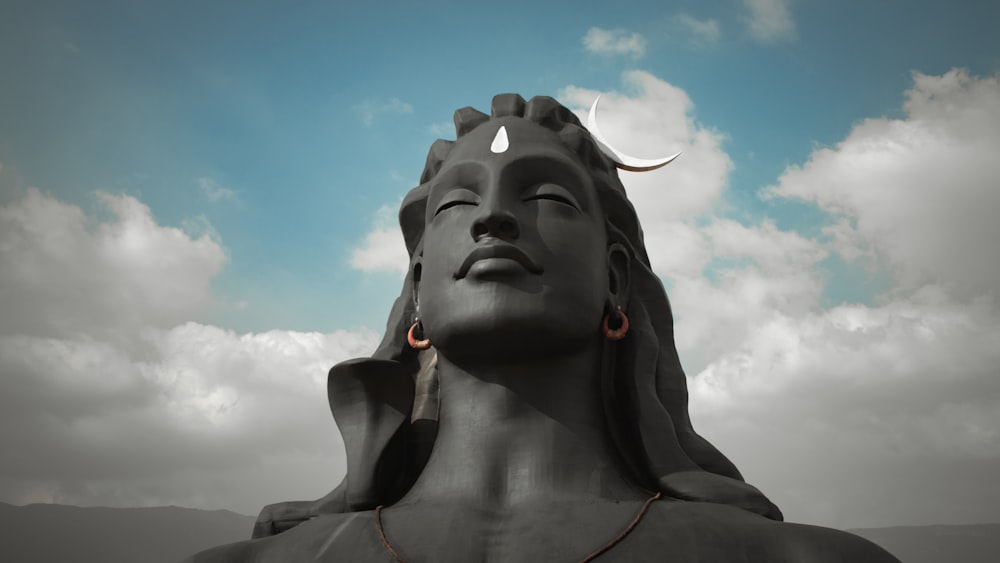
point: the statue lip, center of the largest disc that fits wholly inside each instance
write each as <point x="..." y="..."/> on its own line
<point x="497" y="250"/>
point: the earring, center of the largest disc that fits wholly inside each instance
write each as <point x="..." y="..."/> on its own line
<point x="412" y="340"/>
<point x="618" y="333"/>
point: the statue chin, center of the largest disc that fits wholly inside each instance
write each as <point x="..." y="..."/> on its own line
<point x="505" y="338"/>
<point x="501" y="320"/>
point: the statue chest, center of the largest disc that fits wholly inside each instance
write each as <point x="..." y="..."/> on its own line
<point x="569" y="532"/>
<point x="670" y="531"/>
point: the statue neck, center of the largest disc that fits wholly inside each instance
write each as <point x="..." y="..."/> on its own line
<point x="522" y="432"/>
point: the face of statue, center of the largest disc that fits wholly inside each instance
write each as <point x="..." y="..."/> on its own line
<point x="515" y="256"/>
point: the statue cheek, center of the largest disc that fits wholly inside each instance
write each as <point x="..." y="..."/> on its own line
<point x="444" y="249"/>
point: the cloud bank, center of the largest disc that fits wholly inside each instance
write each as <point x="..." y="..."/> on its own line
<point x="110" y="395"/>
<point x="870" y="415"/>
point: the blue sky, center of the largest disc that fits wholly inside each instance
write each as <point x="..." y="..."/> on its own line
<point x="146" y="98"/>
<point x="270" y="146"/>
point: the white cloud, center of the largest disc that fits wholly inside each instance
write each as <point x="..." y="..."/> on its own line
<point x="368" y="109"/>
<point x="864" y="415"/>
<point x="614" y="42"/>
<point x="63" y="278"/>
<point x="383" y="248"/>
<point x="89" y="421"/>
<point x="770" y="21"/>
<point x="918" y="194"/>
<point x="834" y="413"/>
<point x="110" y="395"/>
<point x="215" y="191"/>
<point x="749" y="276"/>
<point x="703" y="33"/>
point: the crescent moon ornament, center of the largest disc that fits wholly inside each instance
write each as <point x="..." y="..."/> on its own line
<point x="622" y="160"/>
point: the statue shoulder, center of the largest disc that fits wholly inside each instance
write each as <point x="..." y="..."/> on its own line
<point x="701" y="531"/>
<point x="328" y="538"/>
<point x="228" y="553"/>
<point x="815" y="543"/>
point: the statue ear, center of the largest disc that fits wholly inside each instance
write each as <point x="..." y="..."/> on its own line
<point x="619" y="268"/>
<point x="416" y="282"/>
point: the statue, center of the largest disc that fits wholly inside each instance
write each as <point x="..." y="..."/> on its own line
<point x="527" y="402"/>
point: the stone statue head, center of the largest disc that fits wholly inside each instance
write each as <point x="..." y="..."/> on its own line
<point x="525" y="196"/>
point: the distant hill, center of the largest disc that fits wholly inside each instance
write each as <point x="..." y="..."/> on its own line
<point x="52" y="533"/>
<point x="971" y="543"/>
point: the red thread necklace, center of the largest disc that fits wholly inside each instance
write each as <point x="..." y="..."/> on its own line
<point x="597" y="553"/>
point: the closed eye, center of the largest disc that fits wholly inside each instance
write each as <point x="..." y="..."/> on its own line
<point x="450" y="204"/>
<point x="457" y="196"/>
<point x="551" y="197"/>
<point x="551" y="192"/>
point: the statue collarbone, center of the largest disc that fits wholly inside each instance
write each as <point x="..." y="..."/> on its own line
<point x="672" y="530"/>
<point x="526" y="428"/>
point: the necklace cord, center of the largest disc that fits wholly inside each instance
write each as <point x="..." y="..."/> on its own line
<point x="603" y="549"/>
<point x="381" y="535"/>
<point x="625" y="532"/>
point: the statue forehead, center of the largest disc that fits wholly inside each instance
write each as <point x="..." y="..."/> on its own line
<point x="508" y="138"/>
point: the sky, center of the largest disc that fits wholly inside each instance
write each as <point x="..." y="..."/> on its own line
<point x="197" y="219"/>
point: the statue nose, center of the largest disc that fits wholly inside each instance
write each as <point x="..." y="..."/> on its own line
<point x="496" y="223"/>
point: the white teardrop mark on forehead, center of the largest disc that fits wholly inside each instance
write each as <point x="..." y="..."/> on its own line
<point x="500" y="142"/>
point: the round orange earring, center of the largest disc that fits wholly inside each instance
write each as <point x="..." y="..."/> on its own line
<point x="618" y="333"/>
<point x="412" y="340"/>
